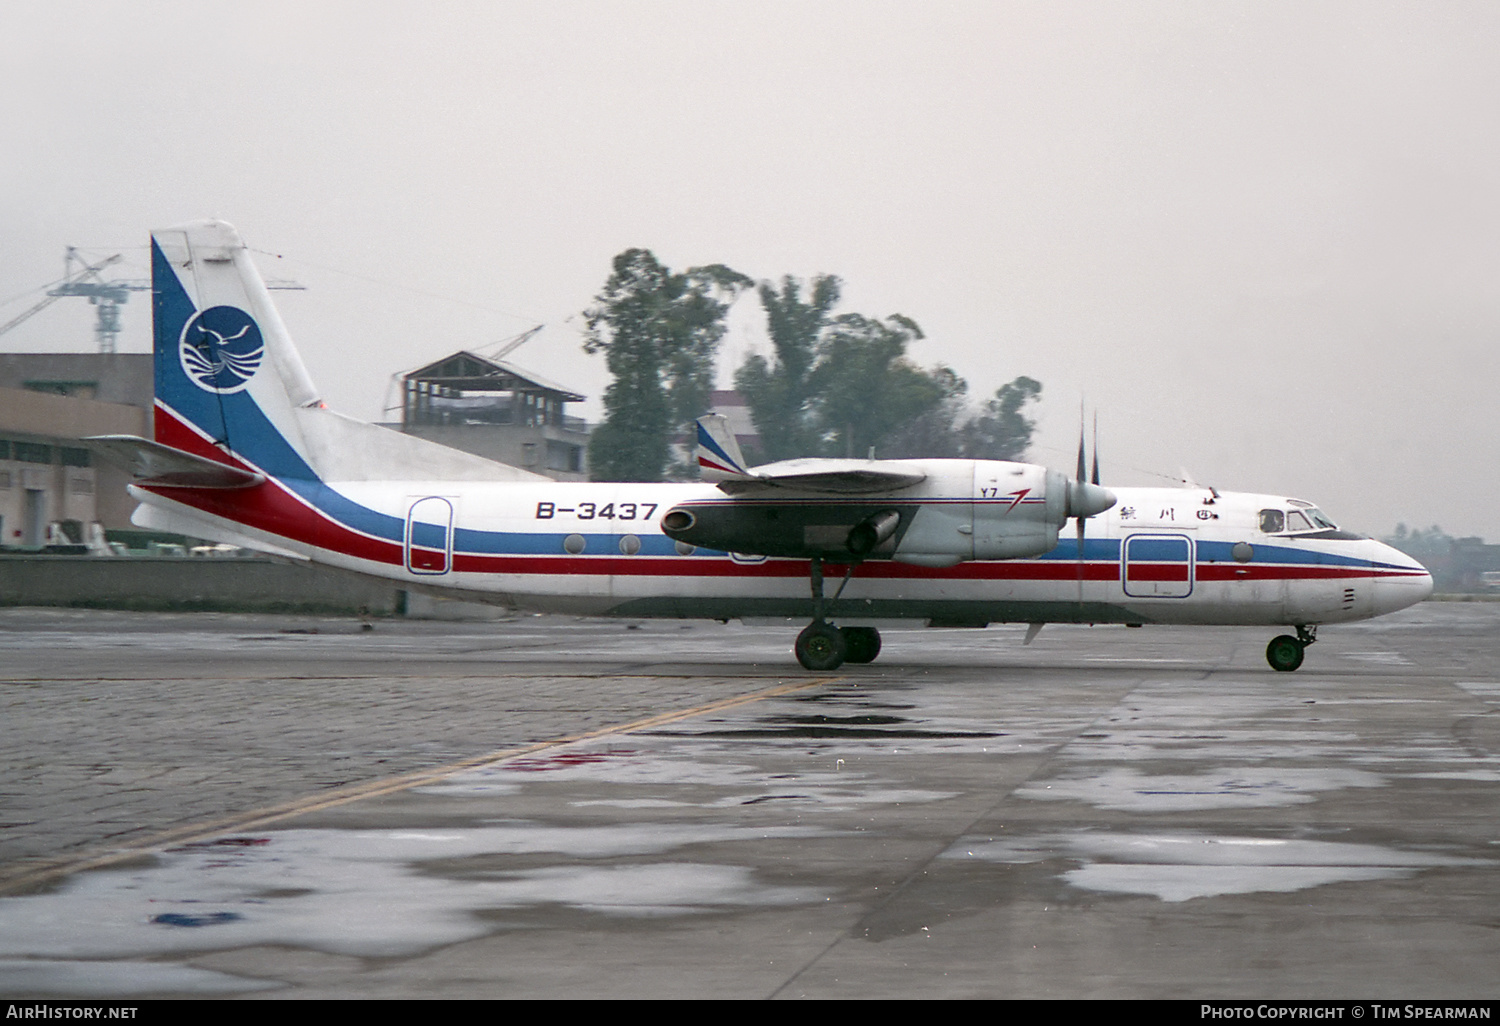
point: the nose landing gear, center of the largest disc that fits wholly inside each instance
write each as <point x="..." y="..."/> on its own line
<point x="1284" y="653"/>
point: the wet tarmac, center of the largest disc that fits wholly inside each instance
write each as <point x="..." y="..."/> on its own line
<point x="213" y="805"/>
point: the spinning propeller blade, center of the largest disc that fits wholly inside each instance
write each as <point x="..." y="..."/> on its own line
<point x="1086" y="498"/>
<point x="1094" y="478"/>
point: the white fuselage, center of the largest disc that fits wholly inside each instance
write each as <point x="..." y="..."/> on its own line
<point x="246" y="452"/>
<point x="1183" y="556"/>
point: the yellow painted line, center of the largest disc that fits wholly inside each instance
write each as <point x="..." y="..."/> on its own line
<point x="33" y="875"/>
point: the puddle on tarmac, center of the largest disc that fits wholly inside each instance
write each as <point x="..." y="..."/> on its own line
<point x="1179" y="867"/>
<point x="374" y="892"/>
<point x="707" y="776"/>
<point x="1485" y="776"/>
<point x="614" y="766"/>
<point x="856" y="726"/>
<point x="1206" y="743"/>
<point x="869" y="716"/>
<point x="1229" y="787"/>
<point x="1377" y="658"/>
<point x="1487" y="690"/>
<point x="1254" y="728"/>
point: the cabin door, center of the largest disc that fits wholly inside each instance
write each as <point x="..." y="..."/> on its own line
<point x="1157" y="565"/>
<point x="428" y="543"/>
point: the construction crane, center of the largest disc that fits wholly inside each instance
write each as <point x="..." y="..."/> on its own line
<point x="75" y="283"/>
<point x="106" y="296"/>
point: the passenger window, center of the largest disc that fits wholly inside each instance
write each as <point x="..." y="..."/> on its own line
<point x="1271" y="521"/>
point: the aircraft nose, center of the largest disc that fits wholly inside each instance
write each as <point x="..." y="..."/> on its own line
<point x="1402" y="582"/>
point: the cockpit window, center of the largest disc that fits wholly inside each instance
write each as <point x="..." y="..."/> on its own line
<point x="1295" y="521"/>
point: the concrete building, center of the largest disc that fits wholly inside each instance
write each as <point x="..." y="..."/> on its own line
<point x="125" y="378"/>
<point x="47" y="475"/>
<point x="494" y="409"/>
<point x="48" y="401"/>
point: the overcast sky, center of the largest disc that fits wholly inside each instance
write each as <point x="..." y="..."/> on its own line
<point x="1261" y="239"/>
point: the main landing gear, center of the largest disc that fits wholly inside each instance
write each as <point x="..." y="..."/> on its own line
<point x="1284" y="653"/>
<point x="821" y="646"/>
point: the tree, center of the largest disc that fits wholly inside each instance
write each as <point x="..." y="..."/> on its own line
<point x="838" y="385"/>
<point x="779" y="394"/>
<point x="1003" y="431"/>
<point x="865" y="388"/>
<point x="1432" y="545"/>
<point x="935" y="432"/>
<point x="659" y="331"/>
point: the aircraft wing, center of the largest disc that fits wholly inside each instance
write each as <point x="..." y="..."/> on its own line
<point x="720" y="460"/>
<point x="162" y="466"/>
<point x="834" y="477"/>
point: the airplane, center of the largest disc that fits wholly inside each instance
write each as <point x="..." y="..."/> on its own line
<point x="247" y="453"/>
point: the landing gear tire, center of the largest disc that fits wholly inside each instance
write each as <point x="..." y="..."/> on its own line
<point x="863" y="644"/>
<point x="1284" y="653"/>
<point x="821" y="647"/>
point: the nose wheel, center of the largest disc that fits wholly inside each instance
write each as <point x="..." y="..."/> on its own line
<point x="1284" y="653"/>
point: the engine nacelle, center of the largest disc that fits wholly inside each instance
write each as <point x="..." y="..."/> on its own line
<point x="833" y="530"/>
<point x="1012" y="510"/>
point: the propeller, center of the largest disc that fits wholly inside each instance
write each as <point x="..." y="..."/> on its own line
<point x="1094" y="478"/>
<point x="1079" y="478"/>
<point x="1086" y="498"/>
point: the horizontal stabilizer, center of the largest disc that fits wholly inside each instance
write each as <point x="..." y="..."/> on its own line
<point x="161" y="466"/>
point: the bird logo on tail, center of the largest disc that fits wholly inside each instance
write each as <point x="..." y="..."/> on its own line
<point x="221" y="349"/>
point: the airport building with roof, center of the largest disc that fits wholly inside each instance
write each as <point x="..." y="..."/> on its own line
<point x="495" y="409"/>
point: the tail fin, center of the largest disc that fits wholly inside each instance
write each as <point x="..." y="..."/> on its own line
<point x="229" y="382"/>
<point x="226" y="372"/>
<point x="718" y="454"/>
